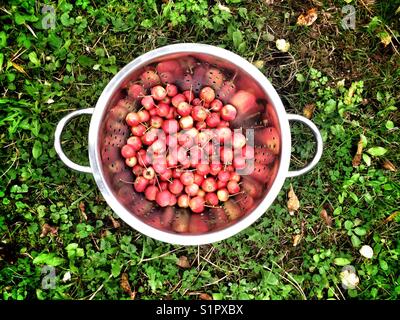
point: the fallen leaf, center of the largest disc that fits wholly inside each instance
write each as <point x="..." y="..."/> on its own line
<point x="308" y="19"/>
<point x="282" y="45"/>
<point x="392" y="216"/>
<point x="326" y="217"/>
<point x="389" y="166"/>
<point x="296" y="239"/>
<point x="357" y="158"/>
<point x="386" y="38"/>
<point x="19" y="68"/>
<point x="46" y="229"/>
<point x="82" y="208"/>
<point x="309" y="110"/>
<point x="293" y="203"/>
<point x="115" y="223"/>
<point x="183" y="262"/>
<point x="259" y="64"/>
<point x="205" y="296"/>
<point x="124" y="283"/>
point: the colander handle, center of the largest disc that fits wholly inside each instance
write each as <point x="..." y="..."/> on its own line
<point x="57" y="140"/>
<point x="318" y="137"/>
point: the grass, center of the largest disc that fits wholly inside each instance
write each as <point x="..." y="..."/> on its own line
<point x="56" y="217"/>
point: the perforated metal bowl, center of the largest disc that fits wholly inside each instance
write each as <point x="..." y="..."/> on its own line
<point x="106" y="137"/>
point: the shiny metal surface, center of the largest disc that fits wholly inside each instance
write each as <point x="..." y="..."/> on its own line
<point x="248" y="78"/>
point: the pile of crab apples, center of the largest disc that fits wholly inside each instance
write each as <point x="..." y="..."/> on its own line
<point x="182" y="150"/>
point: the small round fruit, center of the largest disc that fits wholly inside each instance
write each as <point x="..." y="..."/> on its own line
<point x="188" y="95"/>
<point x="149" y="173"/>
<point x="203" y="169"/>
<point x="137" y="170"/>
<point x="216" y="105"/>
<point x="176" y="100"/>
<point x="209" y="185"/>
<point x="162" y="109"/>
<point x="140" y="184"/>
<point x="151" y="192"/>
<point x="192" y="189"/>
<point x="158" y="93"/>
<point x="156" y="122"/>
<point x="226" y="154"/>
<point x="224" y="176"/>
<point x="239" y="162"/>
<point x="223" y="195"/>
<point x="199" y="113"/>
<point x="196" y="204"/>
<point x="132" y="119"/>
<point x="186" y="122"/>
<point x="233" y="187"/>
<point x="163" y="198"/>
<point x="148" y="102"/>
<point x="238" y="140"/>
<point x="131" y="162"/>
<point x="183" y="201"/>
<point x="143" y="115"/>
<point x="176" y="186"/>
<point x="213" y="120"/>
<point x="135" y="143"/>
<point x="228" y="112"/>
<point x="187" y="178"/>
<point x="172" y="90"/>
<point x="207" y="94"/>
<point x="183" y="109"/>
<point x="234" y="176"/>
<point x="212" y="199"/>
<point x="138" y="130"/>
<point x="170" y="126"/>
<point x="127" y="151"/>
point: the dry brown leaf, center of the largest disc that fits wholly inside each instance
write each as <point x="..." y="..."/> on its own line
<point x="46" y="229"/>
<point x="82" y="207"/>
<point x="19" y="68"/>
<point x="205" y="296"/>
<point x="115" y="223"/>
<point x="357" y="158"/>
<point x="392" y="216"/>
<point x="309" y="110"/>
<point x="183" y="262"/>
<point x="308" y="19"/>
<point x="293" y="203"/>
<point x="125" y="286"/>
<point x="389" y="166"/>
<point x="326" y="217"/>
<point x="296" y="239"/>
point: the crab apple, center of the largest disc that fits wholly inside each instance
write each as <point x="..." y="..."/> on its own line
<point x="156" y="122"/>
<point x="171" y="114"/>
<point x="201" y="193"/>
<point x="131" y="162"/>
<point x="198" y="179"/>
<point x="127" y="151"/>
<point x="144" y="115"/>
<point x="172" y="90"/>
<point x="172" y="141"/>
<point x="166" y="100"/>
<point x="211" y="199"/>
<point x="162" y="109"/>
<point x="159" y="146"/>
<point x="230" y="168"/>
<point x="223" y="124"/>
<point x="176" y="173"/>
<point x="143" y="158"/>
<point x="233" y="187"/>
<point x="159" y="165"/>
<point x="228" y="112"/>
<point x="136" y="91"/>
<point x="137" y="170"/>
<point x="223" y="194"/>
<point x="201" y="125"/>
<point x="209" y="185"/>
<point x="183" y="109"/>
<point x="238" y="140"/>
<point x="199" y="113"/>
<point x="148" y="102"/>
<point x="172" y="160"/>
<point x="234" y="176"/>
<point x="196" y="155"/>
<point x="186" y="122"/>
<point x="216" y="105"/>
<point x="224" y="176"/>
<point x="187" y="178"/>
<point x="140" y="184"/>
<point x="172" y="200"/>
<point x="175" y="186"/>
<point x="239" y="163"/>
<point x="248" y="152"/>
<point x="163" y="198"/>
<point x="203" y="169"/>
<point x="132" y="119"/>
<point x="192" y="189"/>
<point x="149" y="137"/>
<point x="215" y="168"/>
<point x="221" y="184"/>
<point x="213" y="120"/>
<point x="183" y="201"/>
<point x="224" y="135"/>
<point x="182" y="156"/>
<point x="207" y="94"/>
<point x="149" y="173"/>
<point x="151" y="192"/>
<point x="170" y="126"/>
<point x="226" y="154"/>
<point x="163" y="185"/>
<point x="192" y="132"/>
<point x="135" y="143"/>
<point x="138" y="130"/>
<point x="196" y="204"/>
<point x="176" y="100"/>
<point x="189" y="95"/>
<point x="158" y="93"/>
<point x="153" y="112"/>
<point x="166" y="175"/>
<point x="196" y="102"/>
